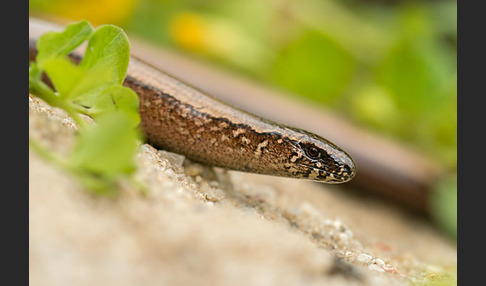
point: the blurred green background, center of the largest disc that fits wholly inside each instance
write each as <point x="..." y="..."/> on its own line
<point x="389" y="66"/>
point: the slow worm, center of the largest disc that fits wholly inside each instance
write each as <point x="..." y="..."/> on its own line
<point x="182" y="119"/>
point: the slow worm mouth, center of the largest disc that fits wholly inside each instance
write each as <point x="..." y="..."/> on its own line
<point x="335" y="178"/>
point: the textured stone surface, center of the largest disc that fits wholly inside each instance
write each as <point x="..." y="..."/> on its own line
<point x="199" y="226"/>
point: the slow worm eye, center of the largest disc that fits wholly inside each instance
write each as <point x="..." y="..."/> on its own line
<point x="313" y="152"/>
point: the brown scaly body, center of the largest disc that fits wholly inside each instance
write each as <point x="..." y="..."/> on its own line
<point x="179" y="118"/>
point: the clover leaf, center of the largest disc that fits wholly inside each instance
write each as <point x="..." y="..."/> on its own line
<point x="105" y="151"/>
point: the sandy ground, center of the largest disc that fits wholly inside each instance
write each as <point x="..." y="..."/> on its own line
<point x="199" y="226"/>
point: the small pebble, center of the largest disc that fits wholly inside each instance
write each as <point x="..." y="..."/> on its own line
<point x="364" y="258"/>
<point x="337" y="224"/>
<point x="349" y="233"/>
<point x="170" y="173"/>
<point x="379" y="262"/>
<point x="350" y="256"/>
<point x="343" y="237"/>
<point x="375" y="267"/>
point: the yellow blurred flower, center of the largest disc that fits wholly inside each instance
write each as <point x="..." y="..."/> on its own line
<point x="219" y="38"/>
<point x="188" y="30"/>
<point x="96" y="11"/>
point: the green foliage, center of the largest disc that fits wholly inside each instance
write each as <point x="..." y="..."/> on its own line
<point x="444" y="205"/>
<point x="390" y="68"/>
<point x="116" y="97"/>
<point x="104" y="152"/>
<point x="108" y="49"/>
<point x="55" y="44"/>
<point x="314" y="66"/>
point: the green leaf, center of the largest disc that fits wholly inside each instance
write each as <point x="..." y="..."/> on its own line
<point x="105" y="63"/>
<point x="108" y="48"/>
<point x="35" y="73"/>
<point x="444" y="204"/>
<point x="59" y="44"/>
<point x="117" y="98"/>
<point x="108" y="147"/>
<point x="104" y="152"/>
<point x="63" y="74"/>
<point x="87" y="90"/>
<point x="38" y="87"/>
<point x="414" y="72"/>
<point x="72" y="82"/>
<point x="315" y="66"/>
